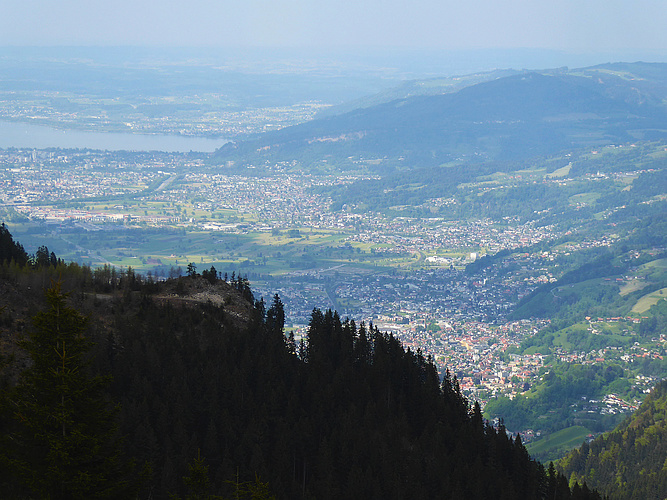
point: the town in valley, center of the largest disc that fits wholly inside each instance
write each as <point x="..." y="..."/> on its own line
<point x="408" y="275"/>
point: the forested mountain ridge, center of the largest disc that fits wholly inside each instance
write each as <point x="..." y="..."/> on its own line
<point x="216" y="390"/>
<point x="431" y="86"/>
<point x="509" y="118"/>
<point x="628" y="462"/>
<point x="636" y="82"/>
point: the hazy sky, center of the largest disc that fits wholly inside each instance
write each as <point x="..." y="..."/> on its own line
<point x="575" y="25"/>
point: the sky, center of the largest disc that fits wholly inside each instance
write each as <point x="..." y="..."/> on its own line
<point x="568" y="25"/>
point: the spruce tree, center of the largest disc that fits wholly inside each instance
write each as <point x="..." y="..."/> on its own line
<point x="11" y="250"/>
<point x="65" y="444"/>
<point x="275" y="316"/>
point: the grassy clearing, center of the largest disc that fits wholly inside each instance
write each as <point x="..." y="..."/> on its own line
<point x="584" y="198"/>
<point x="561" y="172"/>
<point x="534" y="173"/>
<point x="649" y="300"/>
<point x="560" y="337"/>
<point x="632" y="286"/>
<point x="658" y="264"/>
<point x="554" y="446"/>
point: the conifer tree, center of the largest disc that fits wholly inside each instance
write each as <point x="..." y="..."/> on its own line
<point x="11" y="250"/>
<point x="198" y="482"/>
<point x="65" y="443"/>
<point x="275" y="315"/>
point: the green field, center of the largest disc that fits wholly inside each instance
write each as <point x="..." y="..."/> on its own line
<point x="632" y="286"/>
<point x="260" y="253"/>
<point x="557" y="444"/>
<point x="649" y="300"/>
<point x="561" y="172"/>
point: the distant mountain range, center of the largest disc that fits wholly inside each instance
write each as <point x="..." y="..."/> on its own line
<point x="506" y="115"/>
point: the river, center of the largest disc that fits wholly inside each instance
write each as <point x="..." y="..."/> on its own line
<point x="25" y="135"/>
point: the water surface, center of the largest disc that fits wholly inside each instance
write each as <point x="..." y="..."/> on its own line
<point x="25" y="135"/>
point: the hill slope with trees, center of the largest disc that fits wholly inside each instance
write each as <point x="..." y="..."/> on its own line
<point x="514" y="117"/>
<point x="212" y="390"/>
<point x="628" y="462"/>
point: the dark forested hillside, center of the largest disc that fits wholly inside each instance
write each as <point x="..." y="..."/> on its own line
<point x="212" y="390"/>
<point x="629" y="462"/>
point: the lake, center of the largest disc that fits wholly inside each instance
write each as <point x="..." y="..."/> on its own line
<point x="24" y="135"/>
